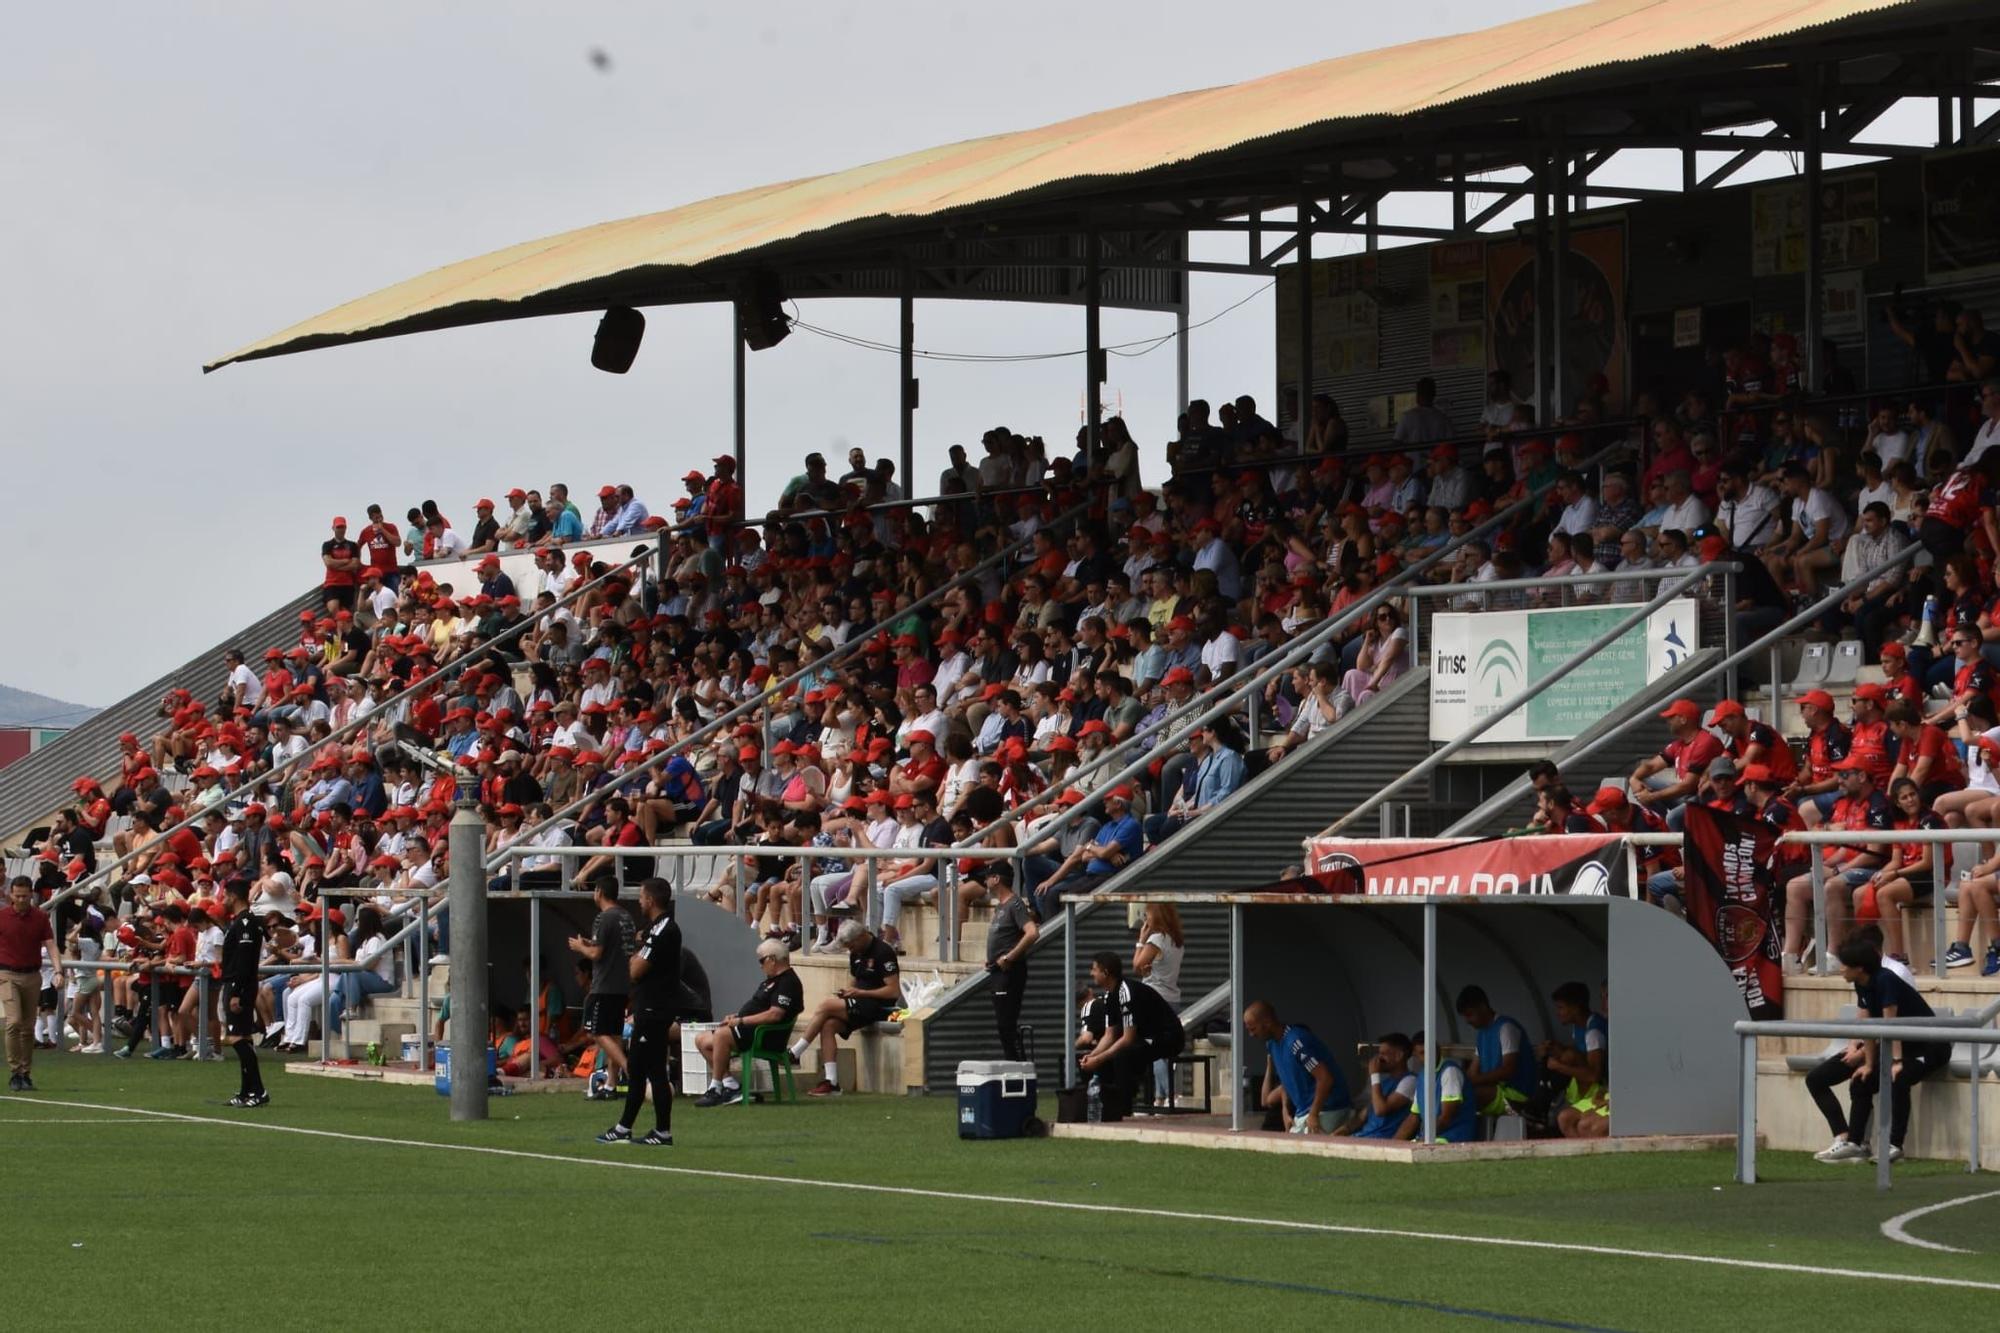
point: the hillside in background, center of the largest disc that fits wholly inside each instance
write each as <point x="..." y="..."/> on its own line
<point x="24" y="708"/>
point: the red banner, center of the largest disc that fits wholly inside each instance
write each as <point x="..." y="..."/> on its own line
<point x="1565" y="863"/>
<point x="1732" y="898"/>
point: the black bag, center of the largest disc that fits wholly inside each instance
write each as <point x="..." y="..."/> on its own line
<point x="1072" y="1105"/>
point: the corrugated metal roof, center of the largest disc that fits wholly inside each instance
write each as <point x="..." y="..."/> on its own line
<point x="1394" y="81"/>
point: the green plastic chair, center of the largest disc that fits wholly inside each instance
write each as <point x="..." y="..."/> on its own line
<point x="767" y="1043"/>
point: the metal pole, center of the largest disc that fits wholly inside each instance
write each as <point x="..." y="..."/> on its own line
<point x="1068" y="994"/>
<point x="1777" y="684"/>
<point x="1883" y="1113"/>
<point x="1238" y="1066"/>
<point x="1544" y="312"/>
<point x="1428" y="1074"/>
<point x="1181" y="351"/>
<point x="1558" y="287"/>
<point x="423" y="984"/>
<point x="908" y="374"/>
<point x="1972" y="1134"/>
<point x="1093" y="336"/>
<point x="1746" y="1111"/>
<point x="467" y="905"/>
<point x="1819" y="911"/>
<point x="1810" y="114"/>
<point x="201" y="1012"/>
<point x="535" y="983"/>
<point x="740" y="409"/>
<point x="1305" y="330"/>
<point x="1731" y="687"/>
<point x="325" y="984"/>
<point x="1941" y="861"/>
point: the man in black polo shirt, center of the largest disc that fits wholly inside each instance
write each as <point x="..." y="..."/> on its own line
<point x="609" y="950"/>
<point x="655" y="969"/>
<point x="778" y="1001"/>
<point x="1881" y="991"/>
<point x="1139" y="1028"/>
<point x="1009" y="936"/>
<point x="242" y="950"/>
<point x="876" y="992"/>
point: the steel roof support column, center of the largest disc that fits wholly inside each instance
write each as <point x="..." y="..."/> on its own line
<point x="1560" y="389"/>
<point x="1544" y="298"/>
<point x="742" y="477"/>
<point x="1304" y="257"/>
<point x="1093" y="338"/>
<point x="907" y="374"/>
<point x="1810" y="123"/>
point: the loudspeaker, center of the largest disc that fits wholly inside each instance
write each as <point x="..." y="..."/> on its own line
<point x="760" y="312"/>
<point x="617" y="341"/>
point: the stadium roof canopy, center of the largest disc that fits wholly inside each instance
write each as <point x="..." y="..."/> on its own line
<point x="1483" y="116"/>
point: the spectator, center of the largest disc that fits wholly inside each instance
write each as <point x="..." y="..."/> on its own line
<point x="1216" y="771"/>
<point x="1424" y="422"/>
<point x="1882" y="990"/>
<point x="1668" y="779"/>
<point x="1118" y="843"/>
<point x="1860" y="806"/>
<point x="1156" y="960"/>
<point x="1384" y="656"/>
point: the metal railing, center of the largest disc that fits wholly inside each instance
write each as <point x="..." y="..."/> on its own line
<point x="1974" y="1030"/>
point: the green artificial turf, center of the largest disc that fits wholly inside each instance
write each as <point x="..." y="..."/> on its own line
<point x="214" y="1225"/>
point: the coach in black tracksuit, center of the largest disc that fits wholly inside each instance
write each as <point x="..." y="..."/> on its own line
<point x="1140" y="1027"/>
<point x="1009" y="936"/>
<point x="656" y="1001"/>
<point x="242" y="951"/>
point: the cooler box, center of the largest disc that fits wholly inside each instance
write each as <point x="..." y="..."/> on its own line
<point x="995" y="1098"/>
<point x="694" y="1067"/>
<point x="442" y="1055"/>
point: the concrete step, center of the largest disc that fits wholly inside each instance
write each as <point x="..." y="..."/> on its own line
<point x="387" y="1034"/>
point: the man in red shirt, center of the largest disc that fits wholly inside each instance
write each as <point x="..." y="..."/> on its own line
<point x="1687" y="755"/>
<point x="1827" y="740"/>
<point x="1870" y="739"/>
<point x="1848" y="867"/>
<point x="723" y="503"/>
<point x="1750" y="742"/>
<point x="1924" y="754"/>
<point x="24" y="933"/>
<point x="381" y="541"/>
<point x="923" y="770"/>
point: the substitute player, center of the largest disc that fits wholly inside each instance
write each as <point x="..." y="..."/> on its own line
<point x="656" y="997"/>
<point x="242" y="949"/>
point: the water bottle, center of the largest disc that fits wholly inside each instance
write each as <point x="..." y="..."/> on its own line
<point x="1930" y="610"/>
<point x="1095" y="1113"/>
<point x="374" y="1052"/>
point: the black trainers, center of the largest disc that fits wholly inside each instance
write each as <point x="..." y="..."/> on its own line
<point x="655" y="1139"/>
<point x="27" y="1083"/>
<point x="240" y="1099"/>
<point x="258" y="1099"/>
<point x="616" y="1134"/>
<point x="712" y="1097"/>
<point x="13" y="1083"/>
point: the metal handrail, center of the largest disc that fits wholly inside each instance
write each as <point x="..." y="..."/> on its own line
<point x="847" y="650"/>
<point x="444" y="675"/>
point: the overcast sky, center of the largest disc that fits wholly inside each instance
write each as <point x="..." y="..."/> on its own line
<point x="183" y="179"/>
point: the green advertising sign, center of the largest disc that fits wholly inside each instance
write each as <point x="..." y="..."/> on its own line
<point x="1608" y="679"/>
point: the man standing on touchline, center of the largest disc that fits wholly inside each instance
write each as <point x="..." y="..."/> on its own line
<point x="242" y="949"/>
<point x="656" y="993"/>
<point x="609" y="950"/>
<point x="24" y="933"/>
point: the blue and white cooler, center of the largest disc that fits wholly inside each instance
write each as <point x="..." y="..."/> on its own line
<point x="995" y="1098"/>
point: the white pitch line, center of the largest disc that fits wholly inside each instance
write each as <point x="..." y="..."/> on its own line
<point x="55" y="1120"/>
<point x="1058" y="1205"/>
<point x="1894" y="1228"/>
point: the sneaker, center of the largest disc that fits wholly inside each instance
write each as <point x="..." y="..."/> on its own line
<point x="27" y="1083"/>
<point x="14" y="1083"/>
<point x="616" y="1134"/>
<point x="271" y="1040"/>
<point x="183" y="1052"/>
<point x="240" y="1099"/>
<point x="824" y="1088"/>
<point x="1840" y="1150"/>
<point x="1895" y="1153"/>
<point x="731" y="1097"/>
<point x="655" y="1139"/>
<point x="1992" y="967"/>
<point x="95" y="1048"/>
<point x="161" y="1053"/>
<point x="212" y="1054"/>
<point x="258" y="1099"/>
<point x="1958" y="955"/>
<point x="122" y="1053"/>
<point x="713" y="1097"/>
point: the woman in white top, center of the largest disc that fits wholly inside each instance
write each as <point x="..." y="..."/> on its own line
<point x="378" y="960"/>
<point x="1157" y="961"/>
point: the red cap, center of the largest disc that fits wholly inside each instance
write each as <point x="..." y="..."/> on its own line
<point x="517" y="494"/>
<point x="920" y="736"/>
<point x="1062" y="745"/>
<point x="1445" y="453"/>
<point x="1726" y="709"/>
<point x="1872" y="692"/>
<point x="1816" y="699"/>
<point x="1682" y="708"/>
<point x="606" y="492"/>
<point x="339" y="522"/>
<point x="1120" y="792"/>
<point x="482" y="503"/>
<point x="1607" y="798"/>
<point x="905" y="801"/>
<point x="1094" y="727"/>
<point x="1181" y="622"/>
<point x="1070" y="796"/>
<point x="1894" y="648"/>
<point x="1714" y="547"/>
<point x="1758" y="773"/>
<point x="1179" y="675"/>
<point x="1852" y="763"/>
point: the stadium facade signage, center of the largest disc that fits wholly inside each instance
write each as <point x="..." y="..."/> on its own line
<point x="1481" y="659"/>
<point x="1577" y="864"/>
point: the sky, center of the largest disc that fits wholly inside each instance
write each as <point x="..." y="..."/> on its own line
<point x="185" y="179"/>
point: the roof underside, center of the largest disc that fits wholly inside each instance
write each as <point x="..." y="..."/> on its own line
<point x="1632" y="71"/>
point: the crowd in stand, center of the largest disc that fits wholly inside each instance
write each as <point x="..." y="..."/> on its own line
<point x="869" y="713"/>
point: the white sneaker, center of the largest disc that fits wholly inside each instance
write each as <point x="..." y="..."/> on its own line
<point x="1840" y="1150"/>
<point x="95" y="1048"/>
<point x="1791" y="965"/>
<point x="1895" y="1153"/>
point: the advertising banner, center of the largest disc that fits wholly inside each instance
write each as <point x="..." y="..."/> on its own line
<point x="1592" y="304"/>
<point x="1732" y="898"/>
<point x="1962" y="213"/>
<point x="1481" y="659"/>
<point x="1564" y="863"/>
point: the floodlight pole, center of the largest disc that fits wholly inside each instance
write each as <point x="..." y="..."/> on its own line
<point x="740" y="401"/>
<point x="1428" y="1074"/>
<point x="1559" y="390"/>
<point x="1810" y="117"/>
<point x="1544" y="302"/>
<point x="467" y="905"/>
<point x="1305" y="250"/>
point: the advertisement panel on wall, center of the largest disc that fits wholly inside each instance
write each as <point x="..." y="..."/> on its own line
<point x="1962" y="213"/>
<point x="1481" y="659"/>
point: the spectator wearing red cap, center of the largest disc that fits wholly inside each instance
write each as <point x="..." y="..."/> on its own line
<point x="1816" y="789"/>
<point x="380" y="542"/>
<point x="1120" y="840"/>
<point x="1851" y="867"/>
<point x="340" y="558"/>
<point x="518" y="527"/>
<point x="485" y="529"/>
<point x="722" y="502"/>
<point x="1665" y="780"/>
<point x="1749" y="741"/>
